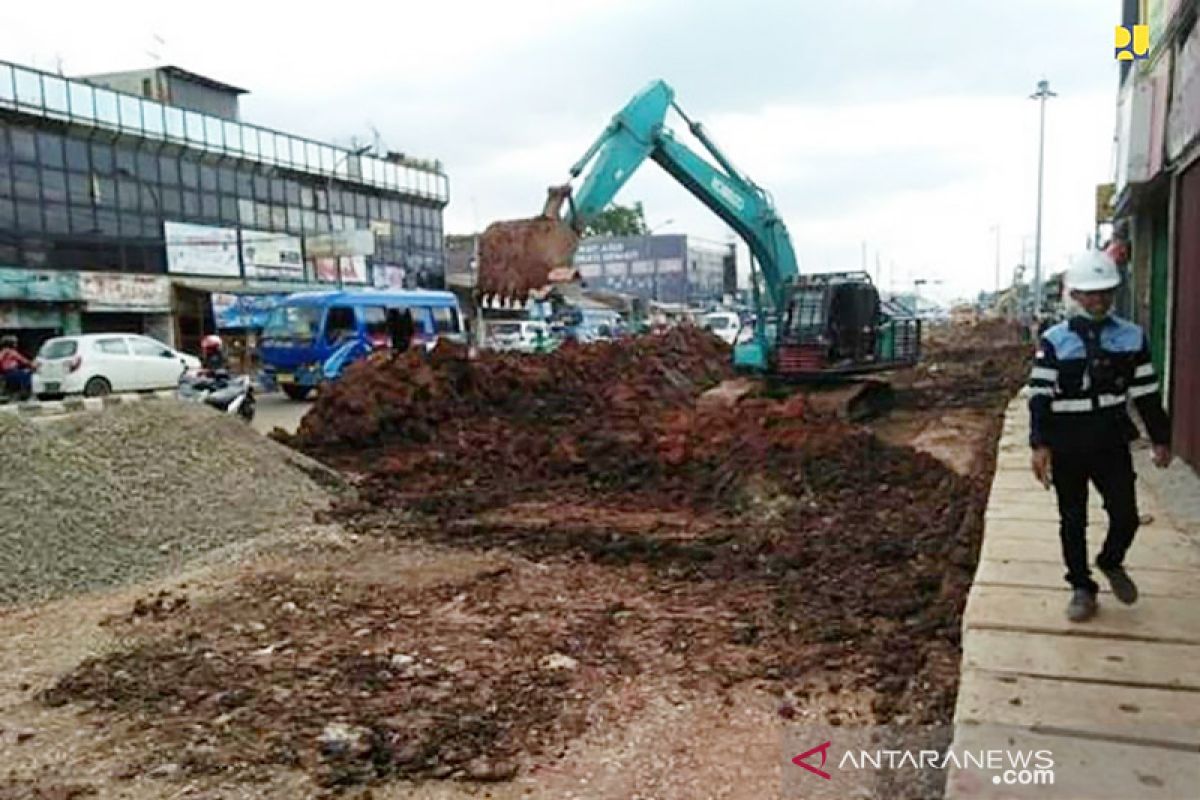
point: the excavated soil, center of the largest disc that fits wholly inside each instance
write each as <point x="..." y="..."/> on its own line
<point x="634" y="539"/>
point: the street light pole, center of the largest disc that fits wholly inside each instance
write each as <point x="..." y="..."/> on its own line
<point x="1042" y="94"/>
<point x="996" y="228"/>
<point x="337" y="264"/>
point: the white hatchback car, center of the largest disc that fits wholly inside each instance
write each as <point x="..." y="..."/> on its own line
<point x="724" y="324"/>
<point x="96" y="364"/>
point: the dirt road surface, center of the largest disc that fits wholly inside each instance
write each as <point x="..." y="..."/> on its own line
<point x="583" y="589"/>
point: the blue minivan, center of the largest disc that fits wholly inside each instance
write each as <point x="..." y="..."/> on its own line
<point x="307" y="329"/>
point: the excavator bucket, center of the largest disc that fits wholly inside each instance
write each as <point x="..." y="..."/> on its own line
<point x="524" y="256"/>
<point x="855" y="401"/>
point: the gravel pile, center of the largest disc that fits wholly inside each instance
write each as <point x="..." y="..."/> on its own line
<point x="101" y="499"/>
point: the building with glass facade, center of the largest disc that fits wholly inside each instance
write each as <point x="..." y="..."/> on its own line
<point x="137" y="201"/>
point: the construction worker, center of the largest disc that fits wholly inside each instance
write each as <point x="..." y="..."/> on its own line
<point x="1087" y="369"/>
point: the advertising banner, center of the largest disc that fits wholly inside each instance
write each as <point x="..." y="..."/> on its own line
<point x="201" y="250"/>
<point x="651" y="267"/>
<point x="124" y="292"/>
<point x="272" y="255"/>
<point x="353" y="269"/>
<point x="243" y="310"/>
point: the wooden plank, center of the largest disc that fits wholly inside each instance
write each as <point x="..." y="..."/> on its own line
<point x="1097" y="528"/>
<point x="1141" y="554"/>
<point x="1083" y="659"/>
<point x="1167" y="619"/>
<point x="1133" y="714"/>
<point x="1049" y="576"/>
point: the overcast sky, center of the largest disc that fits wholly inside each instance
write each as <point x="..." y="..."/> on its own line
<point x="901" y="123"/>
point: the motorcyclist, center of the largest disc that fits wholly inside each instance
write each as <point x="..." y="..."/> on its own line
<point x="212" y="355"/>
<point x="14" y="367"/>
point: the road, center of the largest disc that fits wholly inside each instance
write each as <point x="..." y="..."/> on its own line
<point x="276" y="410"/>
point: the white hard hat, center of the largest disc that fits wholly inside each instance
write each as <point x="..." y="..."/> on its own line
<point x="1094" y="271"/>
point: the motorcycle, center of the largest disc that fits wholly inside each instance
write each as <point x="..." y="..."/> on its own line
<point x="229" y="394"/>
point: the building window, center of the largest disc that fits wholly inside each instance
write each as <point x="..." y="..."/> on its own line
<point x="171" y="202"/>
<point x="83" y="220"/>
<point x="29" y="216"/>
<point x="102" y="158"/>
<point x="229" y="210"/>
<point x="25" y="182"/>
<point x="54" y="185"/>
<point x="77" y="155"/>
<point x="189" y="174"/>
<point x="147" y="167"/>
<point x="168" y="170"/>
<point x="50" y="149"/>
<point x="128" y="195"/>
<point x="126" y="161"/>
<point x="24" y="146"/>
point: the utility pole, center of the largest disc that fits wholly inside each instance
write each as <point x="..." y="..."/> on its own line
<point x="1042" y="94"/>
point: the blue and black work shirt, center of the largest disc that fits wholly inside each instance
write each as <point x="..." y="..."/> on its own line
<point x="1085" y="374"/>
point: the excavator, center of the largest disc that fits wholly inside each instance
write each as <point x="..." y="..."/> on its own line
<point x="814" y="328"/>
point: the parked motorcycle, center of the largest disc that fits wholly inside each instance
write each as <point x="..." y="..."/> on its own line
<point x="229" y="394"/>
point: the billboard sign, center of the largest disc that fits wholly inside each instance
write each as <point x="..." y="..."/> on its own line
<point x="243" y="310"/>
<point x="352" y="269"/>
<point x="340" y="244"/>
<point x="124" y="292"/>
<point x="202" y="250"/>
<point x="651" y="267"/>
<point x="1183" y="121"/>
<point x="272" y="255"/>
<point x="388" y="276"/>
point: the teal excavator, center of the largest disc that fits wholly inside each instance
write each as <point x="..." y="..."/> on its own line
<point x="805" y="328"/>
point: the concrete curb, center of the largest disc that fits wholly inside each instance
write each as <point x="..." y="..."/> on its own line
<point x="74" y="405"/>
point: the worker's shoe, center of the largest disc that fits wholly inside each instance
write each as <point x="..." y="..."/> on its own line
<point x="1123" y="587"/>
<point x="1082" y="606"/>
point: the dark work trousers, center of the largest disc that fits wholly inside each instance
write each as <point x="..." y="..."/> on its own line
<point x="1111" y="469"/>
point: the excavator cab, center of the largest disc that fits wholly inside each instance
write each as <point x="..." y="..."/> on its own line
<point x="835" y="325"/>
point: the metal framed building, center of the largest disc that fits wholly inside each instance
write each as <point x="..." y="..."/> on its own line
<point x="128" y="207"/>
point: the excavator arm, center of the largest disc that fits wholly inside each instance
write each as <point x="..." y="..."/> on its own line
<point x="519" y="256"/>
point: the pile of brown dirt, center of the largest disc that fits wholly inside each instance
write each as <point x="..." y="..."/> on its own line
<point x="709" y="547"/>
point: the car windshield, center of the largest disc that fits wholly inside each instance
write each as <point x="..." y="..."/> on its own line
<point x="506" y="329"/>
<point x="296" y="323"/>
<point x="718" y="323"/>
<point x="58" y="348"/>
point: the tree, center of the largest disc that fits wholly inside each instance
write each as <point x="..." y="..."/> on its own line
<point x="618" y="220"/>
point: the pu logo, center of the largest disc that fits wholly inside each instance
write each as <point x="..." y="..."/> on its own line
<point x="1133" y="45"/>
